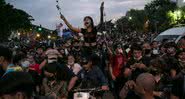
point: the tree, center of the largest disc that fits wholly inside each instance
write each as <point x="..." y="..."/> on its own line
<point x="2" y="2"/>
<point x="123" y="25"/>
<point x="157" y="14"/>
<point x="137" y="19"/>
<point x="12" y="19"/>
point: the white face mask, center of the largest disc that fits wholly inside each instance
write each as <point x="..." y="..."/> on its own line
<point x="25" y="64"/>
<point x="155" y="52"/>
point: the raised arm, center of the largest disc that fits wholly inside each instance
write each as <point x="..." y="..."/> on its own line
<point x="74" y="29"/>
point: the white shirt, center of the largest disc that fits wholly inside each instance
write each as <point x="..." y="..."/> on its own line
<point x="76" y="68"/>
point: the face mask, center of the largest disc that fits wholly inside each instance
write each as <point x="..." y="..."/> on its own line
<point x="76" y="47"/>
<point x="51" y="78"/>
<point x="25" y="64"/>
<point x="155" y="52"/>
<point x="147" y="51"/>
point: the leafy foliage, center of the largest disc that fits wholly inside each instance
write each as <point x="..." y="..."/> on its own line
<point x="12" y="19"/>
<point x="157" y="13"/>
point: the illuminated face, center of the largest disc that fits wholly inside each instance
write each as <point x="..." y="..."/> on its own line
<point x="71" y="60"/>
<point x="137" y="53"/>
<point x="39" y="50"/>
<point x="182" y="56"/>
<point x="87" y="65"/>
<point x="87" y="22"/>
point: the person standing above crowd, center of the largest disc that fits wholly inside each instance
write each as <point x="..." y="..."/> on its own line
<point x="89" y="33"/>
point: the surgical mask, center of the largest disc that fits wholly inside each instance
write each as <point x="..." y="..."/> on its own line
<point x="155" y="52"/>
<point x="25" y="64"/>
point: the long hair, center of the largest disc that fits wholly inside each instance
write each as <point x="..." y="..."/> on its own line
<point x="92" y="22"/>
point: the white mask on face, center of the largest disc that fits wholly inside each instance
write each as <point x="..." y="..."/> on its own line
<point x="155" y="52"/>
<point x="25" y="64"/>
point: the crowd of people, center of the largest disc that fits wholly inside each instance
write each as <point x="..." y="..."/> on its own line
<point x="128" y="66"/>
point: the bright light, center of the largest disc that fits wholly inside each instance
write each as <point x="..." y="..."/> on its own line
<point x="115" y="26"/>
<point x="130" y="18"/>
<point x="183" y="1"/>
<point x="175" y="16"/>
<point x="49" y="36"/>
<point x="19" y="34"/>
<point x="38" y="35"/>
<point x="40" y="29"/>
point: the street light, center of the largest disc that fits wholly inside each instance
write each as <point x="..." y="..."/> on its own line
<point x="49" y="36"/>
<point x="130" y="18"/>
<point x="18" y="34"/>
<point x="38" y="35"/>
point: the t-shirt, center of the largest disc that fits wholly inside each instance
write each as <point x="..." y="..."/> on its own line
<point x="178" y="85"/>
<point x="89" y="37"/>
<point x="35" y="67"/>
<point x="118" y="63"/>
<point x="92" y="78"/>
<point x="76" y="68"/>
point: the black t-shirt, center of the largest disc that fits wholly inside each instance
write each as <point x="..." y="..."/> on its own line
<point x="89" y="37"/>
<point x="178" y="85"/>
<point x="92" y="78"/>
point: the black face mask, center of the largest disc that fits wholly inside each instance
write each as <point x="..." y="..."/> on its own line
<point x="76" y="47"/>
<point x="51" y="78"/>
<point x="147" y="51"/>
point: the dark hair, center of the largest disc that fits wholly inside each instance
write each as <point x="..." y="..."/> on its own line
<point x="171" y="44"/>
<point x="60" y="70"/>
<point x="92" y="22"/>
<point x="153" y="42"/>
<point x="95" y="59"/>
<point x="179" y="52"/>
<point x="159" y="64"/>
<point x="6" y="53"/>
<point x="136" y="47"/>
<point x="17" y="82"/>
<point x="17" y="58"/>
